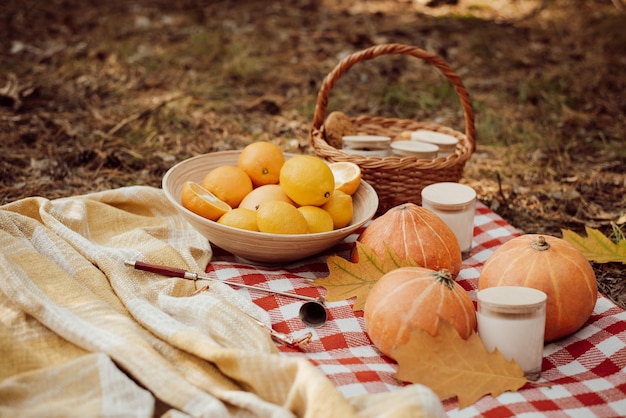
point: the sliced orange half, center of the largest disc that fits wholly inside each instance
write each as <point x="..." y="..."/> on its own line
<point x="202" y="202"/>
<point x="347" y="176"/>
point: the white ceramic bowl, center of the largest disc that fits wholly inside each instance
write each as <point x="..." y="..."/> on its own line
<point x="258" y="246"/>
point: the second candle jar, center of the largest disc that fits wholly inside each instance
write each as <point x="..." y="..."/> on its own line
<point x="512" y="319"/>
<point x="455" y="204"/>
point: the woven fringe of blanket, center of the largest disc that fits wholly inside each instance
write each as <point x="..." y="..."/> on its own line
<point x="83" y="335"/>
<point x="583" y="373"/>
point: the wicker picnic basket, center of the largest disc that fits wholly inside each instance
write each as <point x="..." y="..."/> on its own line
<point x="396" y="180"/>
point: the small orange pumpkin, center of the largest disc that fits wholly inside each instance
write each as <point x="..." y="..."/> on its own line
<point x="415" y="297"/>
<point x="553" y="266"/>
<point x="412" y="231"/>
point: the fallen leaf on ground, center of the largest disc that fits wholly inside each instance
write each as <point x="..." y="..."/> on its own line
<point x="450" y="365"/>
<point x="596" y="246"/>
<point x="347" y="280"/>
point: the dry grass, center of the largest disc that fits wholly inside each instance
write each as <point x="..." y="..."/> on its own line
<point x="95" y="95"/>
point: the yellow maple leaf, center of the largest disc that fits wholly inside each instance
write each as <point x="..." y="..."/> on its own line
<point x="347" y="280"/>
<point x="596" y="246"/>
<point x="450" y="365"/>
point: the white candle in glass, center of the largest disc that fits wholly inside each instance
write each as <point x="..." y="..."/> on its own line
<point x="512" y="319"/>
<point x="455" y="204"/>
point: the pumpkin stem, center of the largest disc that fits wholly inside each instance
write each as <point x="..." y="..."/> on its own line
<point x="540" y="244"/>
<point x="444" y="277"/>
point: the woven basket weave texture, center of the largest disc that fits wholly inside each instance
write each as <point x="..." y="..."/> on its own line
<point x="397" y="180"/>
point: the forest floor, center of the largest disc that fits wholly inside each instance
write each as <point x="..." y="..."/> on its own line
<point x="103" y="94"/>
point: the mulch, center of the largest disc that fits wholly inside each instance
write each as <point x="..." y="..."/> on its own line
<point x="98" y="95"/>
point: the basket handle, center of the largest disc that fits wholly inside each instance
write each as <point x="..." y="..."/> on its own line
<point x="389" y="49"/>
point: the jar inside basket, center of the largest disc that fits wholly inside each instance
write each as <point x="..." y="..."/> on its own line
<point x="367" y="145"/>
<point x="446" y="143"/>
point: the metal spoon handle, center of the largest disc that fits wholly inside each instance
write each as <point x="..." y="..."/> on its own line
<point x="184" y="274"/>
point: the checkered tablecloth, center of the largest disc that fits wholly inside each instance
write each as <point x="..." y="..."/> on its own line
<point x="585" y="371"/>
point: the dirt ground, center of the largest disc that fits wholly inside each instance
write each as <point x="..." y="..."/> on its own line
<point x="103" y="94"/>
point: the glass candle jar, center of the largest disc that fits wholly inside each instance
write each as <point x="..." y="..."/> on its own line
<point x="367" y="145"/>
<point x="446" y="143"/>
<point x="414" y="149"/>
<point x="512" y="319"/>
<point x="455" y="204"/>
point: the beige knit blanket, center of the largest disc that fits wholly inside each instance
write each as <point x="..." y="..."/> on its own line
<point x="83" y="335"/>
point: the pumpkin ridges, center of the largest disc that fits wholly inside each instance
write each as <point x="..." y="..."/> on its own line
<point x="413" y="307"/>
<point x="553" y="305"/>
<point x="568" y="254"/>
<point x="553" y="286"/>
<point x="411" y="222"/>
<point x="589" y="270"/>
<point x="416" y="233"/>
<point x="436" y="234"/>
<point x="386" y="230"/>
<point x="432" y="286"/>
<point x="470" y="320"/>
<point x="417" y="302"/>
<point x="415" y="297"/>
<point x="532" y="261"/>
<point x="403" y="231"/>
<point x="505" y="273"/>
<point x="579" y="268"/>
<point x="426" y="295"/>
<point x="562" y="272"/>
<point x="511" y="264"/>
<point x="405" y="239"/>
<point x="442" y="289"/>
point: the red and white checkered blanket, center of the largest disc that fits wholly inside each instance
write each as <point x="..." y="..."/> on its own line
<point x="584" y="373"/>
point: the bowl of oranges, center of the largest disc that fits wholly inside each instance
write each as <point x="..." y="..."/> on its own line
<point x="263" y="205"/>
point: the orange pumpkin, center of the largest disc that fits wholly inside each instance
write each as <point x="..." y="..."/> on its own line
<point x="412" y="231"/>
<point x="553" y="266"/>
<point x="415" y="297"/>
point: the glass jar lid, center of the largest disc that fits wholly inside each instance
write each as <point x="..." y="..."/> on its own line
<point x="511" y="299"/>
<point x="443" y="141"/>
<point x="448" y="195"/>
<point x="366" y="141"/>
<point x="414" y="148"/>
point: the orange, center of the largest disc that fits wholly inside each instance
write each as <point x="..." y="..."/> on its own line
<point x="240" y="218"/>
<point x="229" y="183"/>
<point x="347" y="176"/>
<point x="262" y="161"/>
<point x="307" y="180"/>
<point x="318" y="219"/>
<point x="340" y="208"/>
<point x="278" y="217"/>
<point x="264" y="193"/>
<point x="202" y="202"/>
